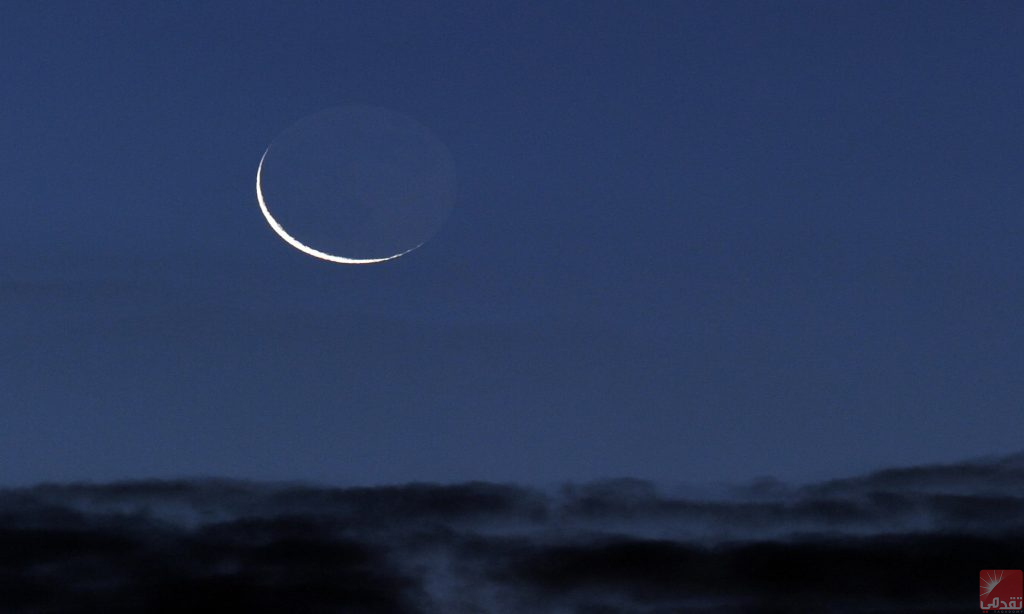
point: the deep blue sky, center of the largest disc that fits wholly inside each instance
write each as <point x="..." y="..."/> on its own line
<point x="693" y="241"/>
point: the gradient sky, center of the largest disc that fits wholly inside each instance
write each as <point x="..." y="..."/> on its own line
<point x="694" y="241"/>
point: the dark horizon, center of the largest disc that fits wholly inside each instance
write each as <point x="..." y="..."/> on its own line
<point x="904" y="539"/>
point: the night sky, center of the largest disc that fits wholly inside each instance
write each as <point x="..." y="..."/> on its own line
<point x="692" y="242"/>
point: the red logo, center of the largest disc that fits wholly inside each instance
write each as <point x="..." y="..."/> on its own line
<point x="1002" y="589"/>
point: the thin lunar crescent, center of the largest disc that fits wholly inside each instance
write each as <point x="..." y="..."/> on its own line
<point x="290" y="240"/>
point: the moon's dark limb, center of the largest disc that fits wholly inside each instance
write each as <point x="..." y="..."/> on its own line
<point x="360" y="181"/>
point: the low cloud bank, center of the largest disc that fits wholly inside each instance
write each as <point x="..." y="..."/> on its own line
<point x="901" y="540"/>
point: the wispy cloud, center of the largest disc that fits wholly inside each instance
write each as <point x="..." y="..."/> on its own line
<point x="897" y="540"/>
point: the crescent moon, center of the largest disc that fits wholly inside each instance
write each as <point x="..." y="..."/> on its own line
<point x="290" y="240"/>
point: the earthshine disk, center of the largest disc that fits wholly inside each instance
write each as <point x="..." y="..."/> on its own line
<point x="363" y="185"/>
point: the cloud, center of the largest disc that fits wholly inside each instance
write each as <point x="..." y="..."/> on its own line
<point x="897" y="540"/>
